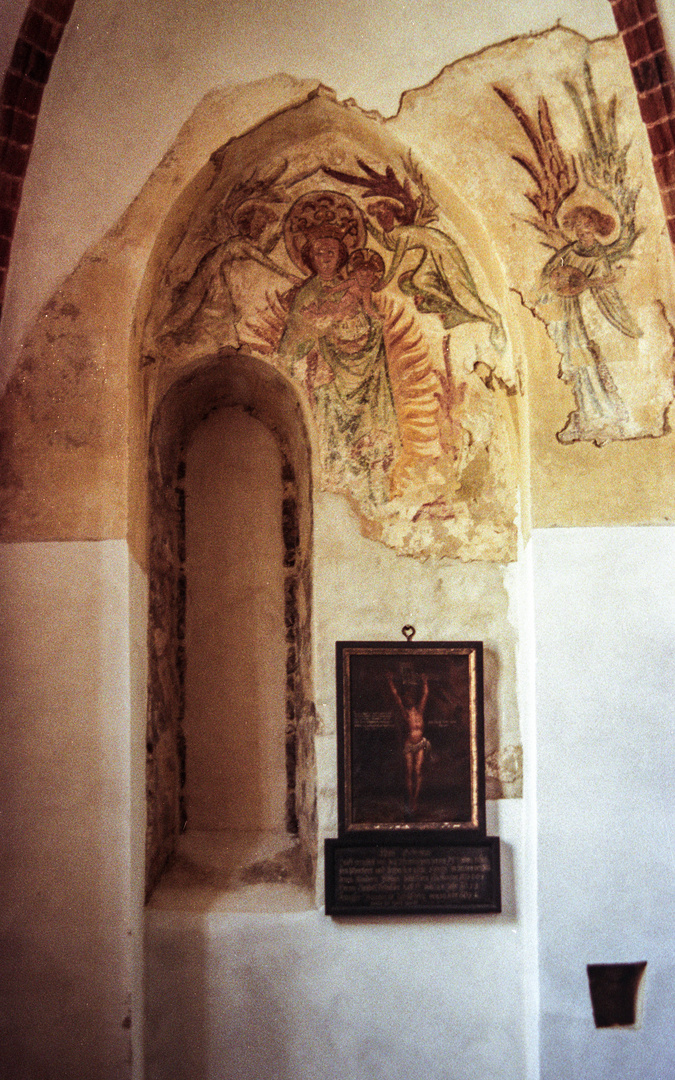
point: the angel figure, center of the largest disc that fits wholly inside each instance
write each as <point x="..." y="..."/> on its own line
<point x="440" y="283"/>
<point x="582" y="274"/>
<point x="203" y="309"/>
<point x="582" y="277"/>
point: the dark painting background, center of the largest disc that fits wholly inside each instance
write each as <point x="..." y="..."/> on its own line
<point x="378" y="733"/>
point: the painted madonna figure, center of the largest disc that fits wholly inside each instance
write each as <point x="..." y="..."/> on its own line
<point x="336" y="343"/>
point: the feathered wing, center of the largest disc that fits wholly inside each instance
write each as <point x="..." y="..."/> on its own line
<point x="604" y="161"/>
<point x="385" y="185"/>
<point x="416" y="204"/>
<point x="255" y="186"/>
<point x="427" y="207"/>
<point x="554" y="173"/>
<point x="414" y="382"/>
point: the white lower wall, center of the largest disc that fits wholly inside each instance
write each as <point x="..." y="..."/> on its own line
<point x="305" y="997"/>
<point x="138" y="698"/>
<point x="301" y="995"/>
<point x="605" y="673"/>
<point x="69" y="917"/>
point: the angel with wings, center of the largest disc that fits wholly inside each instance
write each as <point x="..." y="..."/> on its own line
<point x="589" y="236"/>
<point x="245" y="228"/>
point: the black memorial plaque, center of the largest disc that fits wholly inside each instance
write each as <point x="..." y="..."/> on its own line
<point x="377" y="877"/>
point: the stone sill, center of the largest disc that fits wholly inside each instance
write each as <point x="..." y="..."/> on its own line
<point x="234" y="870"/>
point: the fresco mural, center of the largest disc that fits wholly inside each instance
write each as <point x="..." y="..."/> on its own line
<point x="346" y="277"/>
<point x="492" y="359"/>
<point x="585" y="213"/>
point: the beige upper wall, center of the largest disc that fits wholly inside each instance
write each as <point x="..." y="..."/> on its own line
<point x="68" y="432"/>
<point x="66" y="415"/>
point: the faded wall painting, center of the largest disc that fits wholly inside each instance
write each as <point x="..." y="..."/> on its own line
<point x="585" y="209"/>
<point x="337" y="265"/>
<point x="493" y="305"/>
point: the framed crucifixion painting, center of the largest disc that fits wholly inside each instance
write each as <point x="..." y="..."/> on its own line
<point x="410" y="736"/>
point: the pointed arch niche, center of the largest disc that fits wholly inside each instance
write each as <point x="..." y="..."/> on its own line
<point x="217" y="358"/>
<point x="230" y="768"/>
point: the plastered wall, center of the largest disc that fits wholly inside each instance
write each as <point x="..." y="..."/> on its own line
<point x="605" y="750"/>
<point x="71" y="927"/>
<point x="235" y="723"/>
<point x="122" y="87"/>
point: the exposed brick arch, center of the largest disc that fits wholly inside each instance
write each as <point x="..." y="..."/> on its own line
<point x="640" y="27"/>
<point x="20" y="99"/>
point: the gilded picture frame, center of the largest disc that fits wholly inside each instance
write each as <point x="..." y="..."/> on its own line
<point x="411" y="750"/>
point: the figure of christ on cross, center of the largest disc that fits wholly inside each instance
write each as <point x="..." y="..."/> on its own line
<point x="412" y="702"/>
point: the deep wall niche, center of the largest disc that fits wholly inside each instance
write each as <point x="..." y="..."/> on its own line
<point x="324" y="278"/>
<point x="246" y="400"/>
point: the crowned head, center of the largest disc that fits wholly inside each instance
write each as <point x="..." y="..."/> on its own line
<point x="323" y="220"/>
<point x="324" y="251"/>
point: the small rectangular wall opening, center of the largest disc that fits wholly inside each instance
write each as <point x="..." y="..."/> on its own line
<point x="616" y="994"/>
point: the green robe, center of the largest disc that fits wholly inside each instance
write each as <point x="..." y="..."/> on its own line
<point x="352" y="397"/>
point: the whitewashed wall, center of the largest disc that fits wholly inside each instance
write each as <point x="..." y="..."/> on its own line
<point x="447" y="999"/>
<point x="302" y="997"/>
<point x="69" y="844"/>
<point x="605" y="655"/>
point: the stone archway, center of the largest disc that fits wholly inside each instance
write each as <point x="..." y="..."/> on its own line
<point x="243" y="383"/>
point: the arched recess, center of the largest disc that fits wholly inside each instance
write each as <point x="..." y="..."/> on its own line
<point x="218" y="294"/>
<point x="226" y="380"/>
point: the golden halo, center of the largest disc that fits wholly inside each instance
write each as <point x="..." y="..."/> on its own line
<point x="320" y="214"/>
